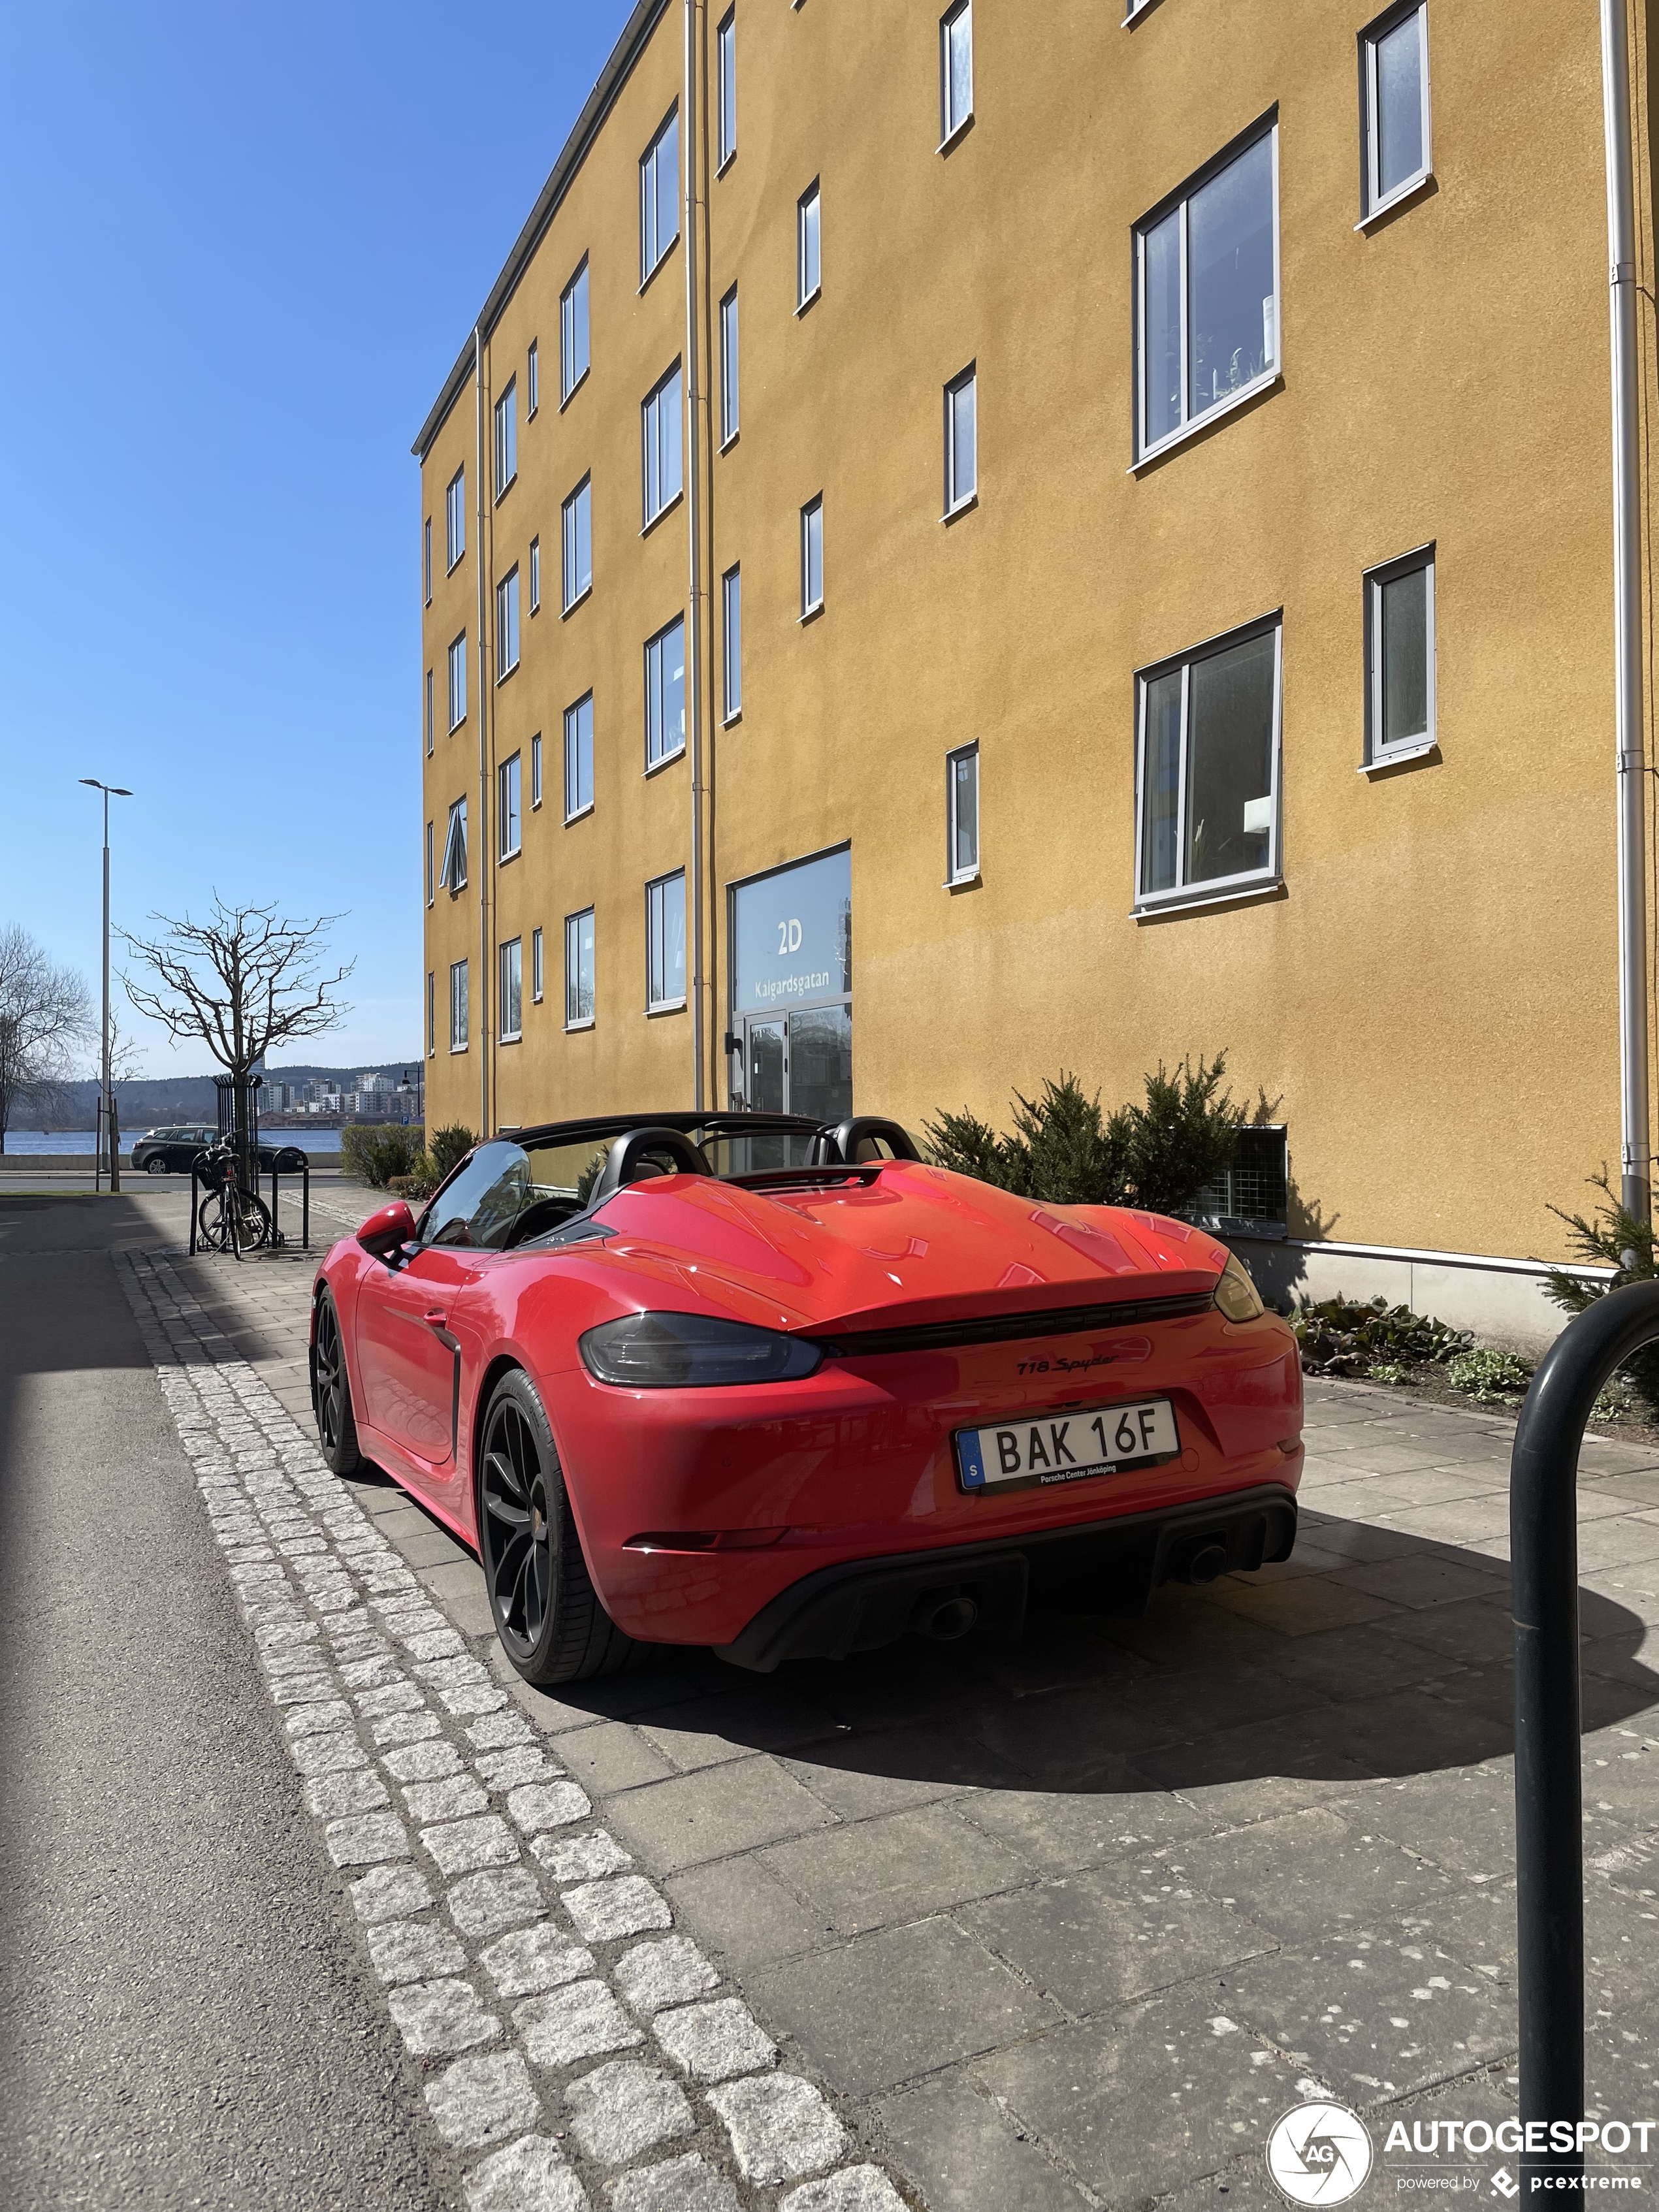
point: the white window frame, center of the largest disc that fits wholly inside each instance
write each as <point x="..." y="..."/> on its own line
<point x="510" y="988"/>
<point x="431" y="876"/>
<point x="953" y="874"/>
<point x="952" y="125"/>
<point x="452" y="876"/>
<point x="431" y="709"/>
<point x="809" y="221"/>
<point x="728" y="368"/>
<point x="731" y="644"/>
<point x="457" y="681"/>
<point x="656" y="941"/>
<point x="1373" y="201"/>
<point x="658" y="644"/>
<point x="575" y="514"/>
<point x="532" y="383"/>
<point x="956" y="500"/>
<point x="662" y="434"/>
<point x="506" y="439"/>
<point x="574" y="1017"/>
<point x="535" y="575"/>
<point x="654" y="249"/>
<point x="537" y="969"/>
<point x="535" y="772"/>
<point x="431" y="1013"/>
<point x="573" y="753"/>
<point x="726" y="89"/>
<point x="1213" y="889"/>
<point x="1377" y="753"/>
<point x="1190" y="425"/>
<point x="509" y="808"/>
<point x="426" y="560"/>
<point x="507" y="624"/>
<point x="455" y="518"/>
<point x="571" y="378"/>
<point x="811" y="514"/>
<point x="460" y="1010"/>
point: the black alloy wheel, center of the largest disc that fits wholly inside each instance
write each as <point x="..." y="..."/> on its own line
<point x="330" y="1393"/>
<point x="548" y="1614"/>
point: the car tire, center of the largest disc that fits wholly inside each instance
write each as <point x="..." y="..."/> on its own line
<point x="156" y="1163"/>
<point x="547" y="1613"/>
<point x="331" y="1392"/>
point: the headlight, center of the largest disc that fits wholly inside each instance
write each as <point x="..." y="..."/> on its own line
<point x="692" y="1351"/>
<point x="1236" y="1294"/>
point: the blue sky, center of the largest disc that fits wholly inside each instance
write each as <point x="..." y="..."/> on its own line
<point x="240" y="248"/>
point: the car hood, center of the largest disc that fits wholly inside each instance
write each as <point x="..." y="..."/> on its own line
<point x="913" y="1246"/>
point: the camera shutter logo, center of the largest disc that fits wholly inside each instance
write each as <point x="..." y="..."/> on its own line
<point x="1320" y="2154"/>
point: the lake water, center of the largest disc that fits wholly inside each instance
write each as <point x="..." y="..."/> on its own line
<point x="22" y="1141"/>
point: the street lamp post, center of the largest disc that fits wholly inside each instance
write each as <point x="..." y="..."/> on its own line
<point x="110" y="790"/>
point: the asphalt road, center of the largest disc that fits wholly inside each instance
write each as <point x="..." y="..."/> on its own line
<point x="184" y="2021"/>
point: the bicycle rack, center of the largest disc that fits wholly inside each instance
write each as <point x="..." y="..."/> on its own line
<point x="1549" y="1842"/>
<point x="304" y="1174"/>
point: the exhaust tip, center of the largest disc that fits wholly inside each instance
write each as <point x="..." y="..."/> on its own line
<point x="1208" y="1563"/>
<point x="950" y="1619"/>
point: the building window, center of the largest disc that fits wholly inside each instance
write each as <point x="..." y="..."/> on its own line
<point x="535" y="966"/>
<point x="458" y="1006"/>
<point x="659" y="196"/>
<point x="535" y="773"/>
<point x="429" y="710"/>
<point x="579" y="969"/>
<point x="729" y="367"/>
<point x="535" y="574"/>
<point x="1207" y="785"/>
<point x="578" y="758"/>
<point x="457" y="681"/>
<point x="812" y="556"/>
<point x="726" y="101"/>
<point x="962" y="815"/>
<point x="961" y="440"/>
<point x="431" y="879"/>
<point x="455" y="517"/>
<point x="453" y="874"/>
<point x="660" y="428"/>
<point x="1399" y="657"/>
<point x="511" y="1005"/>
<point x="507" y="818"/>
<point x="506" y="437"/>
<point x="578" y="578"/>
<point x="956" y="70"/>
<point x="665" y="939"/>
<point x="664" y="694"/>
<point x="573" y="333"/>
<point x="531" y="382"/>
<point x="732" y="657"/>
<point x="1207" y="294"/>
<point x="426" y="560"/>
<point x="808" y="266"/>
<point x="431" y="1012"/>
<point x="1394" y="62"/>
<point x="507" y="625"/>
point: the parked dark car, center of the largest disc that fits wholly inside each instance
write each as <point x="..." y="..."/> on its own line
<point x="170" y="1152"/>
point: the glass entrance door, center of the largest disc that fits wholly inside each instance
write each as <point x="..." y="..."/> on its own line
<point x="765" y="1063"/>
<point x="800" y="1065"/>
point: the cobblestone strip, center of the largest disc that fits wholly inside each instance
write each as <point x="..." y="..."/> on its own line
<point x="517" y="1942"/>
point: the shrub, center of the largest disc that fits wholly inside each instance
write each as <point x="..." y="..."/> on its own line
<point x="1490" y="1378"/>
<point x="1064" y="1149"/>
<point x="1344" y="1336"/>
<point x="449" y="1148"/>
<point x="373" y="1156"/>
<point x="1611" y="1237"/>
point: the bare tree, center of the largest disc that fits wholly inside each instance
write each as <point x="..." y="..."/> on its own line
<point x="239" y="982"/>
<point x="45" y="1014"/>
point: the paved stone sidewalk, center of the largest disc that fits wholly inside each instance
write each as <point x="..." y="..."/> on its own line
<point x="1071" y="1923"/>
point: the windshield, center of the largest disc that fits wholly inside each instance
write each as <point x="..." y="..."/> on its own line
<point x="502" y="1181"/>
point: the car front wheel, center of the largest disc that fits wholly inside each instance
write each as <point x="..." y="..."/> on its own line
<point x="330" y="1393"/>
<point x="547" y="1611"/>
<point x="156" y="1163"/>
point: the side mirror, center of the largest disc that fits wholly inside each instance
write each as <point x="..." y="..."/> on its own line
<point x="385" y="1232"/>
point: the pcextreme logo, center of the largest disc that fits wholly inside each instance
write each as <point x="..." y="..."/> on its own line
<point x="1320" y="2154"/>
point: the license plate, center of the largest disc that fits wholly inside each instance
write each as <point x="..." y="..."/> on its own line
<point x="1030" y="1454"/>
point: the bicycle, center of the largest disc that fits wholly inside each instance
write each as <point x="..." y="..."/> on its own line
<point x="231" y="1218"/>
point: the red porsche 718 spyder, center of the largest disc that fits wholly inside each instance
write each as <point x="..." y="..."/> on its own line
<point x="746" y="1381"/>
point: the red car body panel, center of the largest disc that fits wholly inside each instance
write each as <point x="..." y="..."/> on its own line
<point x="854" y="1461"/>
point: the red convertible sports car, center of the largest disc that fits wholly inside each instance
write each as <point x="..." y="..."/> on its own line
<point x="744" y="1381"/>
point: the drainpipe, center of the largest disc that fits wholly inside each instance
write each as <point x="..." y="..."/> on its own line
<point x="1635" y="1142"/>
<point x="696" y="407"/>
<point x="481" y="996"/>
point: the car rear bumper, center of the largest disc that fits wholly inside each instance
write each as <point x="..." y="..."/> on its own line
<point x="1109" y="1566"/>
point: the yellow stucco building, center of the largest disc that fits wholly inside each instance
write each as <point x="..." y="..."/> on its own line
<point x="966" y="546"/>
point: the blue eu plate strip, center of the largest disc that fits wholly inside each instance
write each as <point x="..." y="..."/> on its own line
<point x="972" y="1467"/>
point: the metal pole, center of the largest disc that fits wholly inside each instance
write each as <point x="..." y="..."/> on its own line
<point x="1548" y="1782"/>
<point x="695" y="612"/>
<point x="480" y="855"/>
<point x="1635" y="1141"/>
<point x="113" y="1170"/>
